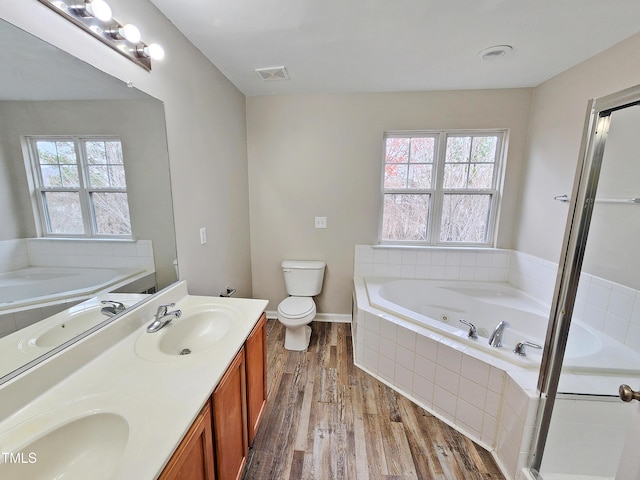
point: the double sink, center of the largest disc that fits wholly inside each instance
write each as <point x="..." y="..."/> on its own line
<point x="97" y="429"/>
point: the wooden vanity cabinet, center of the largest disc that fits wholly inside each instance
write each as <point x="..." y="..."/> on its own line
<point x="193" y="459"/>
<point x="256" y="372"/>
<point x="229" y="401"/>
<point x="217" y="444"/>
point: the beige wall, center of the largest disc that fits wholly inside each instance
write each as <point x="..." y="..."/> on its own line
<point x="557" y="119"/>
<point x="205" y="119"/>
<point x="320" y="155"/>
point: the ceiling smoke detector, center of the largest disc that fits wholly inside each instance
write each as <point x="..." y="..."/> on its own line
<point x="496" y="52"/>
<point x="272" y="73"/>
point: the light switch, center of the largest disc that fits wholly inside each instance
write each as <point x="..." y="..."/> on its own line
<point x="321" y="222"/>
<point x="203" y="235"/>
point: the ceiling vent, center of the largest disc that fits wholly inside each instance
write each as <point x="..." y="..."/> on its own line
<point x="272" y="73"/>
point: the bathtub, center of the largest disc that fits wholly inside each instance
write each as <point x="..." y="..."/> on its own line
<point x="440" y="304"/>
<point x="21" y="289"/>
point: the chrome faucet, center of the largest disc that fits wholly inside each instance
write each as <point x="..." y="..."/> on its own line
<point x="495" y="340"/>
<point x="519" y="350"/>
<point x="112" y="308"/>
<point x="473" y="331"/>
<point x="163" y="317"/>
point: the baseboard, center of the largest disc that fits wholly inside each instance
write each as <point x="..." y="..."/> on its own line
<point x="320" y="317"/>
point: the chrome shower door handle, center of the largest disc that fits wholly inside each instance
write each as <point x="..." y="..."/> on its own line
<point x="627" y="393"/>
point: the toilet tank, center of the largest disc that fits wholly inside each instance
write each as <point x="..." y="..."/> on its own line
<point x="303" y="278"/>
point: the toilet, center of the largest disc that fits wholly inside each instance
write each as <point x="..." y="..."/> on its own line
<point x="302" y="279"/>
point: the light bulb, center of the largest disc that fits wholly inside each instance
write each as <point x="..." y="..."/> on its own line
<point x="156" y="51"/>
<point x="131" y="33"/>
<point x="99" y="9"/>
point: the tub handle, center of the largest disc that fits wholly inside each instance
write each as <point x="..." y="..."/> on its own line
<point x="519" y="350"/>
<point x="473" y="332"/>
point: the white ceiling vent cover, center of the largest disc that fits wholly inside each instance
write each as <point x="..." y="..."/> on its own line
<point x="272" y="73"/>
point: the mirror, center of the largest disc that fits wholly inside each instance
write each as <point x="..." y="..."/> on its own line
<point x="46" y="91"/>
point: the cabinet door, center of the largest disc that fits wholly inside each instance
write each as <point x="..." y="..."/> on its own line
<point x="193" y="459"/>
<point x="230" y="421"/>
<point x="256" y="352"/>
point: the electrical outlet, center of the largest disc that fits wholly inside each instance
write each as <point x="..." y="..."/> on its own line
<point x="203" y="235"/>
<point x="321" y="222"/>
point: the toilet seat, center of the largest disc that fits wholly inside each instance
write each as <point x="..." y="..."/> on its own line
<point x="296" y="307"/>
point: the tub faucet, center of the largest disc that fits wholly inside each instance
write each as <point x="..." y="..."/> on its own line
<point x="112" y="308"/>
<point x="519" y="350"/>
<point x="495" y="340"/>
<point x="163" y="317"/>
<point x="473" y="331"/>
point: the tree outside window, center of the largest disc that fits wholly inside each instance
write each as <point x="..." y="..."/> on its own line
<point x="441" y="187"/>
<point x="81" y="186"/>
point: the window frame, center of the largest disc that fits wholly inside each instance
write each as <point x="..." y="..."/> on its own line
<point x="84" y="191"/>
<point x="437" y="192"/>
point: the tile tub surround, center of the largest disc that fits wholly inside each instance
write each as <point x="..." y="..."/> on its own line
<point x="484" y="397"/>
<point x="94" y="253"/>
<point x="606" y="306"/>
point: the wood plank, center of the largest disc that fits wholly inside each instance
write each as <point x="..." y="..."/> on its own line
<point x="328" y="420"/>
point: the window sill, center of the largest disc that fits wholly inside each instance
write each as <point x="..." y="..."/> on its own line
<point x="83" y="239"/>
<point x="436" y="247"/>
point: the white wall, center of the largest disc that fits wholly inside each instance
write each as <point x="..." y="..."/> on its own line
<point x="557" y="119"/>
<point x="205" y="117"/>
<point x="320" y="155"/>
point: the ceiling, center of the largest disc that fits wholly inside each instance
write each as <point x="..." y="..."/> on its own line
<point x="344" y="46"/>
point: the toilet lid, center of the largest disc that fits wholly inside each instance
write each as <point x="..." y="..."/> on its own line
<point x="295" y="307"/>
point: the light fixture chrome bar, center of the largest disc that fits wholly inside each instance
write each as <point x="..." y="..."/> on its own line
<point x="634" y="200"/>
<point x="102" y="30"/>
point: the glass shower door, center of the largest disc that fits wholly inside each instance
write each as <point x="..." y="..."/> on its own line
<point x="589" y="426"/>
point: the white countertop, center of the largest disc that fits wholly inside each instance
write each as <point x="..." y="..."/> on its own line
<point x="158" y="397"/>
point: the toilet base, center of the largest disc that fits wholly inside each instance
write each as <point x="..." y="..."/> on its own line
<point x="298" y="338"/>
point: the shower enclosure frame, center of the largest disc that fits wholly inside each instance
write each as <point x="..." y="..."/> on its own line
<point x="583" y="194"/>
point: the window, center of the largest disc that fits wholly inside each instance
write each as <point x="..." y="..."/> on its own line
<point x="80" y="186"/>
<point x="441" y="188"/>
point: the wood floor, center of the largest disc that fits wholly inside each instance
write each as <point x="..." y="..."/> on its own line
<point x="328" y="420"/>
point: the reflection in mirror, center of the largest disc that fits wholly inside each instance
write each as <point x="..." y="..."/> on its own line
<point x="47" y="93"/>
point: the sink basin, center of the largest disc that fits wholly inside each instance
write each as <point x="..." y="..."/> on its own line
<point x="68" y="327"/>
<point x="85" y="447"/>
<point x="197" y="330"/>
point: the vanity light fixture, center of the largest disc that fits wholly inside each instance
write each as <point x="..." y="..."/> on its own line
<point x="95" y="17"/>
